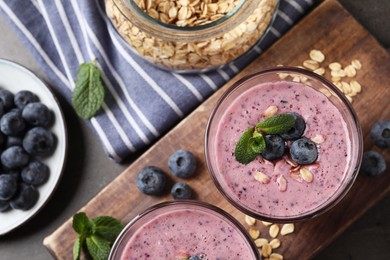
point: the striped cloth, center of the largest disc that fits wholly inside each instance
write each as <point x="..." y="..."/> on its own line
<point x="142" y="102"/>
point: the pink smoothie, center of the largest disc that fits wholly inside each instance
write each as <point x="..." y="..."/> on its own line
<point x="322" y="118"/>
<point x="186" y="232"/>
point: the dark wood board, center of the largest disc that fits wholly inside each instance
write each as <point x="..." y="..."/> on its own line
<point x="328" y="28"/>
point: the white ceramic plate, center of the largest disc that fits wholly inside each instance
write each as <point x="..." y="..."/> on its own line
<point x="15" y="78"/>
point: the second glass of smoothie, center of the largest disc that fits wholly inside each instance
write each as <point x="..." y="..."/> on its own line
<point x="287" y="194"/>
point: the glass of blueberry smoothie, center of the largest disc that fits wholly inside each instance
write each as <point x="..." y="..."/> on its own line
<point x="283" y="145"/>
<point x="184" y="229"/>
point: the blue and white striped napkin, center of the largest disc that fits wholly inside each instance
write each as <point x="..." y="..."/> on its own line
<point x="142" y="102"/>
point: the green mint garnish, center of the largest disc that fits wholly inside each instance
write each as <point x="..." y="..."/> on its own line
<point x="277" y="124"/>
<point x="252" y="142"/>
<point x="98" y="234"/>
<point x="88" y="94"/>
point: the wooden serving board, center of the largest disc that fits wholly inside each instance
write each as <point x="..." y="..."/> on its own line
<point x="328" y="28"/>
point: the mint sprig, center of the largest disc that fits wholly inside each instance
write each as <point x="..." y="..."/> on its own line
<point x="98" y="234"/>
<point x="252" y="142"/>
<point x="88" y="94"/>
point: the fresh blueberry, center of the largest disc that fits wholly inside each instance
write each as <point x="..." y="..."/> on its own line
<point x="194" y="257"/>
<point x="7" y="99"/>
<point x="36" y="114"/>
<point x="38" y="141"/>
<point x="15" y="173"/>
<point x="181" y="191"/>
<point x="4" y="205"/>
<point x="8" y="186"/>
<point x="12" y="123"/>
<point x="24" y="97"/>
<point x="14" y="157"/>
<point x="182" y="163"/>
<point x="274" y="147"/>
<point x="303" y="151"/>
<point x="13" y="140"/>
<point x="373" y="164"/>
<point x="25" y="198"/>
<point x="151" y="180"/>
<point x="35" y="173"/>
<point x="297" y="129"/>
<point x="2" y="110"/>
<point x="380" y="133"/>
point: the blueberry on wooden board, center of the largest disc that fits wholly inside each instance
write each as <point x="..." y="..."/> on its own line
<point x="151" y="180"/>
<point x="182" y="163"/>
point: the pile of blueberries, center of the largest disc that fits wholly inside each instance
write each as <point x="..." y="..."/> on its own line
<point x="152" y="180"/>
<point x="24" y="141"/>
<point x="302" y="149"/>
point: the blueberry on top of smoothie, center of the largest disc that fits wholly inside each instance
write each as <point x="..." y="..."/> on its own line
<point x="297" y="129"/>
<point x="373" y="164"/>
<point x="380" y="133"/>
<point x="303" y="151"/>
<point x="274" y="147"/>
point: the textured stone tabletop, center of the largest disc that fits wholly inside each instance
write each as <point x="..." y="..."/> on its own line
<point x="88" y="169"/>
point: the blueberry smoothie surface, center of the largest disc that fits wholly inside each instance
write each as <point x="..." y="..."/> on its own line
<point x="180" y="234"/>
<point x="329" y="172"/>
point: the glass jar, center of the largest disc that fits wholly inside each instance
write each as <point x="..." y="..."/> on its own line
<point x="180" y="229"/>
<point x="281" y="190"/>
<point x="191" y="35"/>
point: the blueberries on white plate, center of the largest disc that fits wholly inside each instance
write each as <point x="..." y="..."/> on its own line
<point x="12" y="123"/>
<point x="35" y="173"/>
<point x="274" y="147"/>
<point x="297" y="129"/>
<point x="8" y="186"/>
<point x="14" y="157"/>
<point x="380" y="133"/>
<point x="37" y="114"/>
<point x="4" y="205"/>
<point x="181" y="191"/>
<point x="151" y="180"/>
<point x="25" y="198"/>
<point x="303" y="151"/>
<point x="38" y="141"/>
<point x="24" y="97"/>
<point x="6" y="99"/>
<point x="182" y="164"/>
<point x="373" y="164"/>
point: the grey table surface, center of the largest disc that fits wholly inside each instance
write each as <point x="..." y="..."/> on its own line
<point x="88" y="169"/>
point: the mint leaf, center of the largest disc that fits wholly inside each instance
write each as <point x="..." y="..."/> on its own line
<point x="82" y="225"/>
<point x="277" y="124"/>
<point x="98" y="247"/>
<point x="243" y="151"/>
<point x="257" y="142"/>
<point x="78" y="243"/>
<point x="88" y="95"/>
<point x="107" y="227"/>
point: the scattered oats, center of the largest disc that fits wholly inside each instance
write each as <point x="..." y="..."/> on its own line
<point x="318" y="139"/>
<point x="291" y="162"/>
<point x="295" y="169"/>
<point x="317" y="55"/>
<point x="283" y="75"/>
<point x="270" y="111"/>
<point x="250" y="220"/>
<point x="335" y="79"/>
<point x="275" y="256"/>
<point x="319" y="71"/>
<point x="265" y="223"/>
<point x="346" y="87"/>
<point x="266" y="250"/>
<point x="282" y="183"/>
<point x="335" y="66"/>
<point x="279" y="65"/>
<point x="338" y="85"/>
<point x="295" y="176"/>
<point x="356" y="87"/>
<point x="349" y="98"/>
<point x="356" y="64"/>
<point x="296" y="79"/>
<point x="275" y="243"/>
<point x="311" y="64"/>
<point x="254" y="233"/>
<point x="287" y="229"/>
<point x="262" y="177"/>
<point x="350" y="71"/>
<point x="274" y="230"/>
<point x="260" y="242"/>
<point x="306" y="175"/>
<point x="338" y="73"/>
